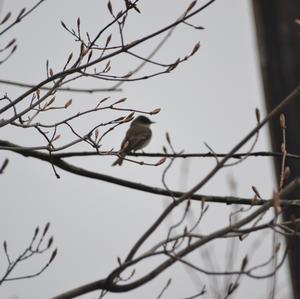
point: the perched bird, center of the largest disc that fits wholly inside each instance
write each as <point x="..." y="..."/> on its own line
<point x="137" y="137"/>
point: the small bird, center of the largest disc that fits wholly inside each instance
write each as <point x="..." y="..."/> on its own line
<point x="137" y="137"/>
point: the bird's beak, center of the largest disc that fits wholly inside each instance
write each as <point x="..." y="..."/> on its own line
<point x="152" y="122"/>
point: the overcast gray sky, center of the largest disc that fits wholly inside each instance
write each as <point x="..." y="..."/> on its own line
<point x="211" y="98"/>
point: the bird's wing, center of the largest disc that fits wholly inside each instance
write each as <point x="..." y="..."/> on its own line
<point x="136" y="139"/>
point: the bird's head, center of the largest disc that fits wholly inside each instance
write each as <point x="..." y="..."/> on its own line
<point x="142" y="120"/>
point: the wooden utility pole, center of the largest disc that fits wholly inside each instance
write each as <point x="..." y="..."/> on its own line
<point x="278" y="42"/>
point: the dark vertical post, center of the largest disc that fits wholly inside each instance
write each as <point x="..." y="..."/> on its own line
<point x="278" y="41"/>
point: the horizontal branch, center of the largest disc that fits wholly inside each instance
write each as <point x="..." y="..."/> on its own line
<point x="69" y="89"/>
<point x="60" y="163"/>
<point x="181" y="155"/>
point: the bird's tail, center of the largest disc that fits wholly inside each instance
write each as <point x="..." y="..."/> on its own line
<point x="119" y="161"/>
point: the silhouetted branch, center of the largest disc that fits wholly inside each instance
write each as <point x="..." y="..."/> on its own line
<point x="37" y="246"/>
<point x="68" y="89"/>
<point x="129" y="184"/>
<point x="22" y="14"/>
<point x="182" y="155"/>
<point x="108" y="283"/>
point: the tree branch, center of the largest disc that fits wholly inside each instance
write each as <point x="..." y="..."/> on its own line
<point x="58" y="162"/>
